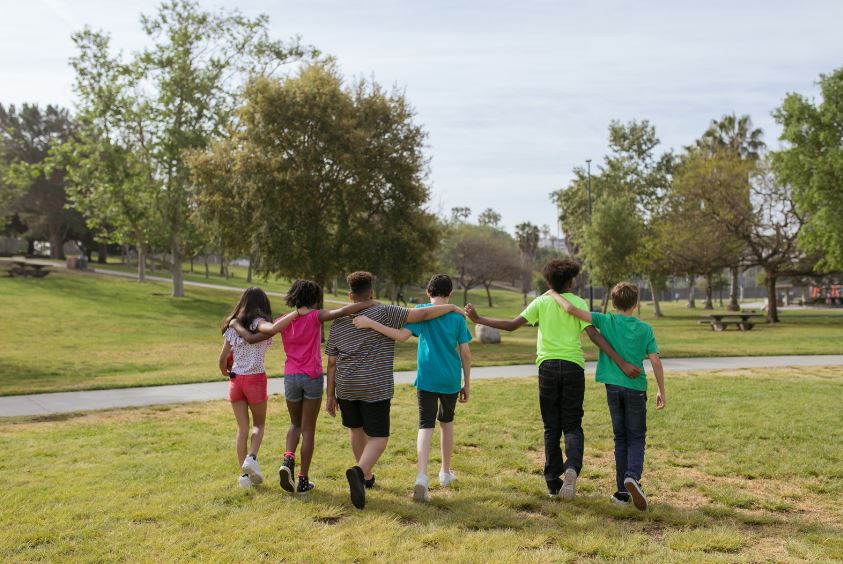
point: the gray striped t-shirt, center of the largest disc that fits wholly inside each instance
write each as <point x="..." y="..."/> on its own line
<point x="364" y="356"/>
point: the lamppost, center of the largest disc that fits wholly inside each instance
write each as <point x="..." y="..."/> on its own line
<point x="590" y="286"/>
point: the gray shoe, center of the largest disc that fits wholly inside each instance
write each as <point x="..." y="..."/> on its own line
<point x="569" y="485"/>
<point x="639" y="500"/>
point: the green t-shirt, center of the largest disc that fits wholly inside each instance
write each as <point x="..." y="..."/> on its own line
<point x="633" y="339"/>
<point x="559" y="333"/>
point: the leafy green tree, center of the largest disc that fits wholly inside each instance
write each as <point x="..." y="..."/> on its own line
<point x="174" y="96"/>
<point x="812" y="162"/>
<point x="489" y="218"/>
<point x="481" y="255"/>
<point x="527" y="236"/>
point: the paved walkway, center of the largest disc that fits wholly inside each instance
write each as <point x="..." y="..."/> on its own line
<point x="68" y="402"/>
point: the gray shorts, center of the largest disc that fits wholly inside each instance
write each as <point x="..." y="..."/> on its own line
<point x="302" y="386"/>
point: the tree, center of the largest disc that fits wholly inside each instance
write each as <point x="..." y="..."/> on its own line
<point x="31" y="191"/>
<point x="183" y="90"/>
<point x="489" y="218"/>
<point x="812" y="162"/>
<point x="527" y="236"/>
<point x="327" y="178"/>
<point x="460" y="214"/>
<point x="738" y="136"/>
<point x="481" y="255"/>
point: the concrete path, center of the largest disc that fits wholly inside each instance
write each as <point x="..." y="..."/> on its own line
<point x="68" y="402"/>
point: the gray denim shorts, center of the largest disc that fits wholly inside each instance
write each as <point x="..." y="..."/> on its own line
<point x="302" y="386"/>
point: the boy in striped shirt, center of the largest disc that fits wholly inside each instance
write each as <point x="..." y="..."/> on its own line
<point x="360" y="378"/>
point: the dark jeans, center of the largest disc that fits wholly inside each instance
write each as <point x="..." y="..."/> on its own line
<point x="629" y="423"/>
<point x="561" y="390"/>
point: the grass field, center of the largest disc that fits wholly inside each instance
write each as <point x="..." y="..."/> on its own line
<point x="741" y="466"/>
<point x="81" y="331"/>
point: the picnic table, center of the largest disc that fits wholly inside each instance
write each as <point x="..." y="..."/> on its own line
<point x="720" y="321"/>
<point x="33" y="269"/>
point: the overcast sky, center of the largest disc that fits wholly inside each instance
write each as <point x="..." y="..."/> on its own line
<point x="512" y="94"/>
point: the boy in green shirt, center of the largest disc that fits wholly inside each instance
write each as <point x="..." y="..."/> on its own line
<point x="561" y="365"/>
<point x="626" y="394"/>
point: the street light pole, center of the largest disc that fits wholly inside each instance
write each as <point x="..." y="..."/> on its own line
<point x="590" y="286"/>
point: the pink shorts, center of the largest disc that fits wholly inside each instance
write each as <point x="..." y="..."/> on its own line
<point x="250" y="388"/>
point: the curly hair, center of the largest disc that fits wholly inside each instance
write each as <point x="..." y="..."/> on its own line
<point x="360" y="283"/>
<point x="304" y="293"/>
<point x="624" y="296"/>
<point x="559" y="273"/>
<point x="440" y="285"/>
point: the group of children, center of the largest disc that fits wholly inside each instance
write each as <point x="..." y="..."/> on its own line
<point x="360" y="382"/>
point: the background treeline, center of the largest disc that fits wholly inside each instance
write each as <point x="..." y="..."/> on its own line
<point x="220" y="140"/>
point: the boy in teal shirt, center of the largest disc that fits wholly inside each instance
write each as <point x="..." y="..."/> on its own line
<point x="626" y="395"/>
<point x="561" y="365"/>
<point x="438" y="386"/>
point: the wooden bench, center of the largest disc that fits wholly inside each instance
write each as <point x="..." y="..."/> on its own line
<point x="720" y="321"/>
<point x="28" y="269"/>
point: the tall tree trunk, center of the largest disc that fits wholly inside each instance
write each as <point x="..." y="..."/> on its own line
<point x="124" y="254"/>
<point x="175" y="268"/>
<point x="102" y="253"/>
<point x="222" y="265"/>
<point x="207" y="272"/>
<point x="56" y="243"/>
<point x="657" y="308"/>
<point x="691" y="302"/>
<point x="142" y="262"/>
<point x="708" y="303"/>
<point x="772" y="299"/>
<point x="734" y="282"/>
<point x="249" y="271"/>
<point x="488" y="294"/>
<point x="604" y="304"/>
<point x="191" y="264"/>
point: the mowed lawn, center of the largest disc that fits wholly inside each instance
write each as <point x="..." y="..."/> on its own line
<point x="73" y="331"/>
<point x="741" y="466"/>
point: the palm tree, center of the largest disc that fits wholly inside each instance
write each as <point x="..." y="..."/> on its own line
<point x="735" y="134"/>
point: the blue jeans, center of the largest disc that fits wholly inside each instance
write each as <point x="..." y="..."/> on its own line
<point x="628" y="409"/>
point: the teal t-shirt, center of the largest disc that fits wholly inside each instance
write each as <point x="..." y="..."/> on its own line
<point x="633" y="339"/>
<point x="439" y="366"/>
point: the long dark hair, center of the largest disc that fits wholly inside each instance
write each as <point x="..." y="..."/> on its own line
<point x="253" y="303"/>
<point x="304" y="293"/>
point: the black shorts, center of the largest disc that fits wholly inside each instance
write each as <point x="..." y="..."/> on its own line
<point x="372" y="416"/>
<point x="430" y="403"/>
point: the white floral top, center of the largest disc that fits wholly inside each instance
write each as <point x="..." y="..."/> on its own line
<point x="248" y="358"/>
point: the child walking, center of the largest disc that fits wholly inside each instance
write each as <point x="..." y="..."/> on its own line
<point x="443" y="352"/>
<point x="561" y="366"/>
<point x="626" y="395"/>
<point x="304" y="380"/>
<point x="247" y="380"/>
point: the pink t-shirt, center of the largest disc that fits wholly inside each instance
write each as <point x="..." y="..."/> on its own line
<point x="302" y="339"/>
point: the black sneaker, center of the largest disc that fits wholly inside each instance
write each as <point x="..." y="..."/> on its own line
<point x="620" y="498"/>
<point x="370" y="483"/>
<point x="639" y="500"/>
<point x="553" y="487"/>
<point x="304" y="486"/>
<point x="286" y="474"/>
<point x="356" y="486"/>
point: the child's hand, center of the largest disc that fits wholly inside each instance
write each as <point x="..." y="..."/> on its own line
<point x="660" y="401"/>
<point x="362" y="322"/>
<point x="631" y="370"/>
<point x="471" y="313"/>
<point x="464" y="395"/>
<point x="331" y="405"/>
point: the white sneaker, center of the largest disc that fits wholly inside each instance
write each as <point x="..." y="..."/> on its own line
<point x="420" y="490"/>
<point x="446" y="478"/>
<point x="245" y="482"/>
<point x="253" y="470"/>
<point x="569" y="484"/>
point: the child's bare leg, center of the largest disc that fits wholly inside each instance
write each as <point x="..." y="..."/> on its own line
<point x="259" y="424"/>
<point x="423" y="449"/>
<point x="447" y="445"/>
<point x="310" y="412"/>
<point x="371" y="453"/>
<point x="358" y="441"/>
<point x="241" y="414"/>
<point x="294" y="432"/>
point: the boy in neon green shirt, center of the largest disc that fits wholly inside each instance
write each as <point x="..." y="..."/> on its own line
<point x="561" y="365"/>
<point x="626" y="394"/>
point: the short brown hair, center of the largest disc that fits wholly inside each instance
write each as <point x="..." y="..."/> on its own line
<point x="624" y="296"/>
<point x="360" y="282"/>
<point x="440" y="285"/>
<point x="560" y="272"/>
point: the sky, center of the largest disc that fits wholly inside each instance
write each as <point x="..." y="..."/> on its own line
<point x="513" y="95"/>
